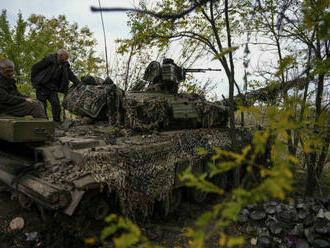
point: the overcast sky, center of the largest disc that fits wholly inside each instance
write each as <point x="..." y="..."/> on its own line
<point x="76" y="11"/>
<point x="115" y="24"/>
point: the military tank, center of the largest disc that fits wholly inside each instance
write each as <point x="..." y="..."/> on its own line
<point x="127" y="159"/>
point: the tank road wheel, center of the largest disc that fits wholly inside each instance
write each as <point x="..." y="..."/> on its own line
<point x="196" y="195"/>
<point x="95" y="205"/>
<point x="24" y="201"/>
<point x="98" y="208"/>
<point x="101" y="210"/>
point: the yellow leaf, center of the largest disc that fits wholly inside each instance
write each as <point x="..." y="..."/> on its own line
<point x="201" y="151"/>
<point x="189" y="232"/>
<point x="223" y="239"/>
<point x="287" y="173"/>
<point x="308" y="149"/>
<point x="235" y="241"/>
<point x="293" y="159"/>
<point x="90" y="241"/>
<point x="263" y="173"/>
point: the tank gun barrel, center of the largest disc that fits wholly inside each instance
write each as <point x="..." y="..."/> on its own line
<point x="203" y="70"/>
<point x="268" y="93"/>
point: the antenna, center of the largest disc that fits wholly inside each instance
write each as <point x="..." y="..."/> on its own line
<point x="105" y="41"/>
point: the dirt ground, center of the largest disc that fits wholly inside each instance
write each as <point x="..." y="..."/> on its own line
<point x="62" y="231"/>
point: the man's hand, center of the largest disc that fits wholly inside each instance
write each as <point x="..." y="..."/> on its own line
<point x="31" y="100"/>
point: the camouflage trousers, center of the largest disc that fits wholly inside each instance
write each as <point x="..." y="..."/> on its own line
<point x="36" y="109"/>
<point x="43" y="95"/>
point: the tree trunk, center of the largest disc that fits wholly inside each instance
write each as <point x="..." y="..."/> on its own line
<point x="310" y="180"/>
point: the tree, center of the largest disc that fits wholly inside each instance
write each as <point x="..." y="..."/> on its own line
<point x="30" y="40"/>
<point x="13" y="42"/>
<point x="299" y="27"/>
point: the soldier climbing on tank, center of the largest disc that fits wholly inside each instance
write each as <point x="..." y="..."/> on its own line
<point x="12" y="102"/>
<point x="50" y="76"/>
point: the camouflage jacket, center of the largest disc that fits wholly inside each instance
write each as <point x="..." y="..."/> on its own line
<point x="43" y="71"/>
<point x="9" y="95"/>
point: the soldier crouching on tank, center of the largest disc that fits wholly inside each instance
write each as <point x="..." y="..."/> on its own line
<point x="50" y="76"/>
<point x="12" y="102"/>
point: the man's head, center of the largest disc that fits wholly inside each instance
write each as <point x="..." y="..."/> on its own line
<point x="62" y="55"/>
<point x="7" y="68"/>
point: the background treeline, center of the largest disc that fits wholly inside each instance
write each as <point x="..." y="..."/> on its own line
<point x="30" y="40"/>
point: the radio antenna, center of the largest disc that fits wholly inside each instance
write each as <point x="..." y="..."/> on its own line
<point x="105" y="41"/>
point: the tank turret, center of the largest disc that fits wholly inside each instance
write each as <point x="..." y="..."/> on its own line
<point x="152" y="104"/>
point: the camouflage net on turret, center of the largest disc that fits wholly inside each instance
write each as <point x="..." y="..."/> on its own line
<point x="90" y="100"/>
<point x="142" y="172"/>
<point x="147" y="115"/>
<point x="212" y="115"/>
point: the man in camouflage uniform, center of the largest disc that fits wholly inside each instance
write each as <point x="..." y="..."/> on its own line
<point x="50" y="76"/>
<point x="12" y="102"/>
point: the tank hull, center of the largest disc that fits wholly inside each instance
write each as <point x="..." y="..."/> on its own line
<point x="57" y="175"/>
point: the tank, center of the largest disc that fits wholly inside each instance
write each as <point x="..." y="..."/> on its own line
<point x="126" y="158"/>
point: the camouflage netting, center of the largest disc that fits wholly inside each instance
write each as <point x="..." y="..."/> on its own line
<point x="148" y="114"/>
<point x="89" y="100"/>
<point x="212" y="115"/>
<point x="143" y="171"/>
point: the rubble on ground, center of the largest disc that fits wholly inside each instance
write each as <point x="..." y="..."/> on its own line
<point x="303" y="223"/>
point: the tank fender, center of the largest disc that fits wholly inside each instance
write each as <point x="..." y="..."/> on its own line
<point x="81" y="185"/>
<point x="76" y="197"/>
<point x="86" y="182"/>
<point x="52" y="154"/>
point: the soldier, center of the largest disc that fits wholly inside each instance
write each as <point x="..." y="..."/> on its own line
<point x="12" y="102"/>
<point x="50" y="76"/>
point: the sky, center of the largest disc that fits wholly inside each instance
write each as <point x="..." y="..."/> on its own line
<point x="115" y="25"/>
<point x="76" y="11"/>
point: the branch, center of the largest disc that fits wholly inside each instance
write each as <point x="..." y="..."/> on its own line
<point x="159" y="15"/>
<point x="191" y="35"/>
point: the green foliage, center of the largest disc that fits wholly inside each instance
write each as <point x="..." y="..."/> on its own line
<point x="316" y="14"/>
<point x="285" y="65"/>
<point x="196" y="87"/>
<point x="121" y="233"/>
<point x="30" y="40"/>
<point x="26" y="89"/>
<point x="199" y="34"/>
<point x="275" y="181"/>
